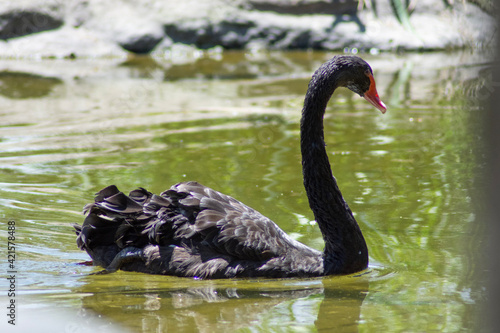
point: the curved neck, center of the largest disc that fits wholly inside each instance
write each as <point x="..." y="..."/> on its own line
<point x="345" y="248"/>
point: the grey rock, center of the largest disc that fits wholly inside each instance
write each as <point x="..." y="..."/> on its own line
<point x="66" y="42"/>
<point x="232" y="33"/>
<point x="142" y="44"/>
<point x="25" y="18"/>
<point x="303" y="7"/>
<point x="134" y="28"/>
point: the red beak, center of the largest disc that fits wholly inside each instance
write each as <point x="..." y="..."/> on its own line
<point x="372" y="96"/>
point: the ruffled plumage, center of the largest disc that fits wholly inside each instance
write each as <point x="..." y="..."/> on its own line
<point x="190" y="230"/>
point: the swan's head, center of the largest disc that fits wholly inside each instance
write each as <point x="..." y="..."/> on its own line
<point x="356" y="75"/>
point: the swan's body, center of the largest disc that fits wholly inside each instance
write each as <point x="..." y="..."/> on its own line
<point x="194" y="231"/>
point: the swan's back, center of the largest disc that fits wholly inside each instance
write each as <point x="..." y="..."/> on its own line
<point x="190" y="230"/>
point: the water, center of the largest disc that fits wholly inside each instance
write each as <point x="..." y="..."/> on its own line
<point x="230" y="121"/>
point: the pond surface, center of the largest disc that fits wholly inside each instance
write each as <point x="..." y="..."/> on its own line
<point x="231" y="122"/>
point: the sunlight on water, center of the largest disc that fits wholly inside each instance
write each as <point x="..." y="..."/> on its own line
<point x="70" y="128"/>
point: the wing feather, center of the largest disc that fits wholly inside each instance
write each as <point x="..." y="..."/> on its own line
<point x="187" y="213"/>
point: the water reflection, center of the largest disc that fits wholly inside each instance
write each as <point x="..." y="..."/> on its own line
<point x="18" y="85"/>
<point x="214" y="306"/>
<point x="221" y="65"/>
<point x="408" y="175"/>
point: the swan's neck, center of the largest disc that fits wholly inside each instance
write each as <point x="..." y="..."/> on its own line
<point x="345" y="248"/>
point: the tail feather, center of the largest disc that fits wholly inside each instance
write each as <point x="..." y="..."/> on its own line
<point x="113" y="218"/>
<point x="95" y="231"/>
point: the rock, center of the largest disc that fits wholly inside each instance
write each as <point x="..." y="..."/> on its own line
<point x="435" y="27"/>
<point x="141" y="44"/>
<point x="232" y="33"/>
<point x="114" y="27"/>
<point x="306" y="7"/>
<point x="25" y="18"/>
<point x="132" y="27"/>
<point x="66" y="42"/>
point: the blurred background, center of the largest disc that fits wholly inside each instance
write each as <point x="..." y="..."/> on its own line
<point x="149" y="93"/>
<point x="92" y="28"/>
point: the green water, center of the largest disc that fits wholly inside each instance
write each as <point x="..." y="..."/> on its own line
<point x="231" y="122"/>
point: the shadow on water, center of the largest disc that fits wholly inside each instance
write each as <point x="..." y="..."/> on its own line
<point x="231" y="121"/>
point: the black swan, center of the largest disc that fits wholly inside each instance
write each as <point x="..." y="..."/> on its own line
<point x="194" y="231"/>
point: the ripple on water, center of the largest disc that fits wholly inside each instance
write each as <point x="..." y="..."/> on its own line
<point x="408" y="181"/>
